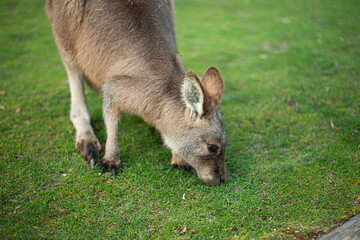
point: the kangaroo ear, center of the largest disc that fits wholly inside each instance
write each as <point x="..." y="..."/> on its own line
<point x="192" y="93"/>
<point x="213" y="86"/>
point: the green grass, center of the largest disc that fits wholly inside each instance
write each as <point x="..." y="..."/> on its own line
<point x="290" y="68"/>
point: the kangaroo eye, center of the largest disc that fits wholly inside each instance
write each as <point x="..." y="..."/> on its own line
<point x="212" y="148"/>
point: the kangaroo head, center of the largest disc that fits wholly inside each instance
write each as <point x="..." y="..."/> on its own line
<point x="201" y="142"/>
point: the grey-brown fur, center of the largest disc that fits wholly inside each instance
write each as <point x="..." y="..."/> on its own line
<point x="127" y="50"/>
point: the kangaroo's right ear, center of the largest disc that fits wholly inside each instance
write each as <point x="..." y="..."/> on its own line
<point x="193" y="94"/>
<point x="213" y="85"/>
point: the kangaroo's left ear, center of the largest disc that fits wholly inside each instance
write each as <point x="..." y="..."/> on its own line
<point x="213" y="86"/>
<point x="193" y="94"/>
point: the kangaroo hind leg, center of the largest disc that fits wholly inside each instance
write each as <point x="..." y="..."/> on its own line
<point x="112" y="114"/>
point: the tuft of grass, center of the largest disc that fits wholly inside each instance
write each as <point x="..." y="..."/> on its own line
<point x="289" y="69"/>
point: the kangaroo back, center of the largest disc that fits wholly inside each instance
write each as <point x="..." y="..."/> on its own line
<point x="109" y="37"/>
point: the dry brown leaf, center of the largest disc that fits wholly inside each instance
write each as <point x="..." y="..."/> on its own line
<point x="263" y="56"/>
<point x="2" y="92"/>
<point x="17" y="110"/>
<point x="182" y="230"/>
<point x="334" y="127"/>
<point x="34" y="227"/>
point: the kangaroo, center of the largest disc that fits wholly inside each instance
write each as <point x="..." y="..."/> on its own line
<point x="127" y="50"/>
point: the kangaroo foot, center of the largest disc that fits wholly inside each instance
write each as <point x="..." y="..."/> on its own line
<point x="112" y="164"/>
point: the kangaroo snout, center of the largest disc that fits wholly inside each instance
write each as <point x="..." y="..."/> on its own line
<point x="213" y="179"/>
<point x="213" y="176"/>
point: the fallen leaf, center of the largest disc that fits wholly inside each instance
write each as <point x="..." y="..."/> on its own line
<point x="2" y="107"/>
<point x="17" y="110"/>
<point x="334" y="127"/>
<point x="182" y="230"/>
<point x="34" y="227"/>
<point x="2" y="92"/>
<point x="263" y="56"/>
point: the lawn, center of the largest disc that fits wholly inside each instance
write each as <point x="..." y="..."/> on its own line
<point x="290" y="69"/>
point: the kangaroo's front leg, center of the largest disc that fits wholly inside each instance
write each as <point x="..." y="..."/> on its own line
<point x="111" y="117"/>
<point x="86" y="141"/>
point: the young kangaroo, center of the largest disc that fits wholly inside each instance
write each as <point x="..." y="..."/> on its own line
<point x="127" y="50"/>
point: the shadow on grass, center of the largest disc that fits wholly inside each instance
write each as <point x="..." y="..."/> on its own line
<point x="143" y="138"/>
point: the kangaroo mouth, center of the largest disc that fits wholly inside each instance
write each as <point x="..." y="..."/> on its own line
<point x="212" y="178"/>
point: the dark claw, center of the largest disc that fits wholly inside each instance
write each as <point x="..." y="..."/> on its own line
<point x="194" y="171"/>
<point x="113" y="172"/>
<point x="173" y="166"/>
<point x="113" y="169"/>
<point x="182" y="169"/>
<point x="125" y="164"/>
<point x="91" y="152"/>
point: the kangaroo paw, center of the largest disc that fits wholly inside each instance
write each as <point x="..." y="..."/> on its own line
<point x="177" y="162"/>
<point x="182" y="168"/>
<point x="89" y="150"/>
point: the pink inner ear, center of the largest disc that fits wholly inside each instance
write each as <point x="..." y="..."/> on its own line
<point x="213" y="85"/>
